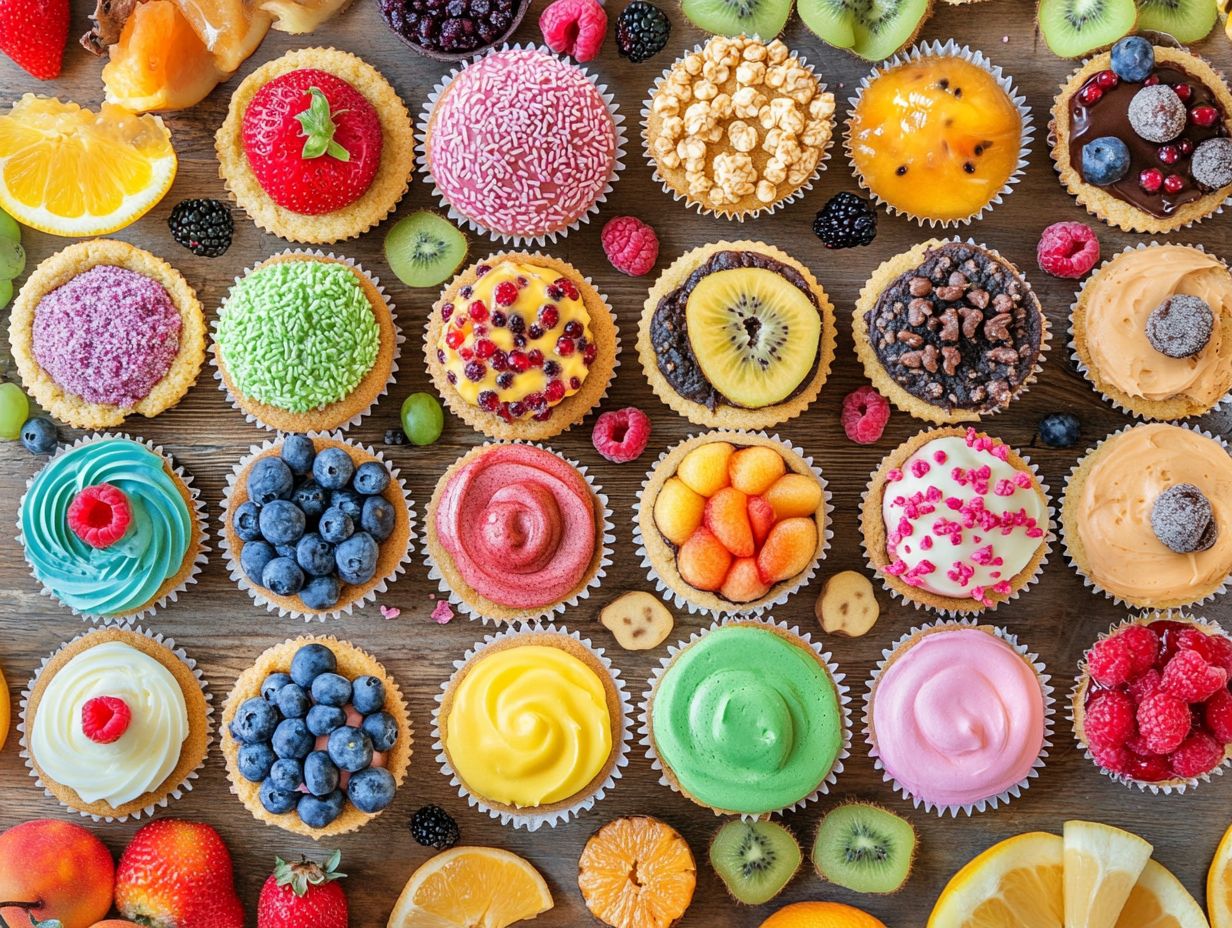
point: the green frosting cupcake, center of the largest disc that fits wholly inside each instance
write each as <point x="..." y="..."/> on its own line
<point x="747" y="720"/>
<point x="298" y="335"/>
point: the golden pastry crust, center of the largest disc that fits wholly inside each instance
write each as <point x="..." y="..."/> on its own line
<point x="59" y="269"/>
<point x="873" y="529"/>
<point x="468" y="594"/>
<point x="885" y="274"/>
<point x="569" y="411"/>
<point x="1104" y="205"/>
<point x="725" y="415"/>
<point x="192" y="752"/>
<point x="392" y="176"/>
<point x="571" y="646"/>
<point x="662" y="553"/>
<point x="352" y="662"/>
<point x="356" y="403"/>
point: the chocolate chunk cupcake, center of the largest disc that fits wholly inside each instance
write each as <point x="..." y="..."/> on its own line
<point x="950" y="331"/>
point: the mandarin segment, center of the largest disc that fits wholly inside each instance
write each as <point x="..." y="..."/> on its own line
<point x="637" y="872"/>
<point x="703" y="562"/>
<point x="678" y="511"/>
<point x="789" y="548"/>
<point x="755" y="469"/>
<point x="704" y="469"/>
<point x="794" y="495"/>
<point x="727" y="516"/>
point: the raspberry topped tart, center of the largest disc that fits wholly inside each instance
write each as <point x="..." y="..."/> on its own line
<point x="316" y="147"/>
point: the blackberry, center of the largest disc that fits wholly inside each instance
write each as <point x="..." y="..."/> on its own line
<point x="431" y="826"/>
<point x="395" y="437"/>
<point x="204" y="227"/>
<point x="1060" y="430"/>
<point x="641" y="31"/>
<point x="845" y="222"/>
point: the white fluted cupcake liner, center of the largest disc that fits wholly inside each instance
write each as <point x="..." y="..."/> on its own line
<point x="255" y="592"/>
<point x="399" y="338"/>
<point x="421" y="130"/>
<point x="948" y="49"/>
<point x="702" y="210"/>
<point x="185" y="786"/>
<point x="1179" y="785"/>
<point x="1047" y="541"/>
<point x="530" y="818"/>
<point x="991" y="802"/>
<point x="547" y="612"/>
<point x="198" y="514"/>
<point x="1073" y="343"/>
<point x="805" y="639"/>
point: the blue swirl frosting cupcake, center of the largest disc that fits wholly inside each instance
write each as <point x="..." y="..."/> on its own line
<point x="111" y="528"/>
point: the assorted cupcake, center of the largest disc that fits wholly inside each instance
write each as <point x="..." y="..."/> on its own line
<point x="521" y="346"/>
<point x="956" y="521"/>
<point x="1146" y="516"/>
<point x="738" y="127"/>
<point x="737" y="335"/>
<point x="103" y="330"/>
<point x="1152" y="331"/>
<point x="949" y="331"/>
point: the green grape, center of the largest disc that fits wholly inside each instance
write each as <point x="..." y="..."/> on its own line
<point x="12" y="259"/>
<point x="6" y="292"/>
<point x="422" y="418"/>
<point x="14" y="410"/>
<point x="9" y="229"/>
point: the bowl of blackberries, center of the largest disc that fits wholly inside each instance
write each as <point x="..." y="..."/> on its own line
<point x="452" y="30"/>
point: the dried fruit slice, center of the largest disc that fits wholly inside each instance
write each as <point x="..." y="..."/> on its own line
<point x="1102" y="864"/>
<point x="637" y="872"/>
<point x="469" y="886"/>
<point x="638" y="620"/>
<point x="847" y="605"/>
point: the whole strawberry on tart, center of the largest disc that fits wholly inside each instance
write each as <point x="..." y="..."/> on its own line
<point x="302" y="894"/>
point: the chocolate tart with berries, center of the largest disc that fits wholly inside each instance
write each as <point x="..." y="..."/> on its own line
<point x="1164" y="158"/>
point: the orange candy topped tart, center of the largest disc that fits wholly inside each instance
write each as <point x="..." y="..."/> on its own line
<point x="732" y="521"/>
<point x="637" y="872"/>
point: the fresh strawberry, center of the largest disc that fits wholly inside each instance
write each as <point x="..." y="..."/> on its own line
<point x="33" y="33"/>
<point x="313" y="141"/>
<point x="177" y="874"/>
<point x="302" y="894"/>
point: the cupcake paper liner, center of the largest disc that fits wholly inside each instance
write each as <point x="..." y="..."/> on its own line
<point x="679" y="599"/>
<point x="1001" y="798"/>
<point x="399" y="338"/>
<point x="844" y="701"/>
<point x="198" y="514"/>
<point x="763" y="211"/>
<point x="529" y="818"/>
<point x="605" y="556"/>
<point x="181" y="788"/>
<point x="948" y="49"/>
<point x="421" y="130"/>
<point x="255" y="592"/>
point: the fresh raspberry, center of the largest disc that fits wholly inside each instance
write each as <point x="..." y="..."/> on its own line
<point x="1115" y="760"/>
<point x="1199" y="754"/>
<point x="865" y="414"/>
<point x="1109" y="719"/>
<point x="1194" y="639"/>
<point x="1220" y="650"/>
<point x="105" y="718"/>
<point x="621" y="435"/>
<point x="1163" y="722"/>
<point x="1067" y="249"/>
<point x="574" y="27"/>
<point x="1190" y="678"/>
<point x="630" y="244"/>
<point x="1111" y="662"/>
<point x="1146" y="685"/>
<point x="1217" y="714"/>
<point x="1143" y="647"/>
<point x="100" y="515"/>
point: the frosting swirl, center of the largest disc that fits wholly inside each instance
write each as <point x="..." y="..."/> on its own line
<point x="519" y="523"/>
<point x="127" y="575"/>
<point x="529" y="726"/>
<point x="143" y="757"/>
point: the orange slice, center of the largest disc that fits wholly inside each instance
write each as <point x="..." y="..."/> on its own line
<point x="159" y="63"/>
<point x="471" y="887"/>
<point x="1158" y="900"/>
<point x="1219" y="884"/>
<point x="5" y="710"/>
<point x="637" y="872"/>
<point x="821" y="915"/>
<point x="1014" y="884"/>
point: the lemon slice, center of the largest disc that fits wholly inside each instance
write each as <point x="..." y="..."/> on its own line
<point x="1014" y="884"/>
<point x="1102" y="864"/>
<point x="471" y="887"/>
<point x="70" y="171"/>
<point x="1219" y="884"/>
<point x="1158" y="900"/>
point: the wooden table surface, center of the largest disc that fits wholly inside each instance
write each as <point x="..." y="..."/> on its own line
<point x="224" y="631"/>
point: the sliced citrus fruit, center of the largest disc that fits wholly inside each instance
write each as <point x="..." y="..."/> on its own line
<point x="1158" y="900"/>
<point x="821" y="915"/>
<point x="5" y="710"/>
<point x="159" y="63"/>
<point x="1219" y="881"/>
<point x="471" y="887"/>
<point x="70" y="171"/>
<point x="1014" y="884"/>
<point x="1102" y="864"/>
<point x="637" y="872"/>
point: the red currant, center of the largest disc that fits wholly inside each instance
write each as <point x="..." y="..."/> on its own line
<point x="555" y="391"/>
<point x="1173" y="183"/>
<point x="446" y="312"/>
<point x="466" y="353"/>
<point x="1151" y="80"/>
<point x="1168" y="154"/>
<point x="519" y="361"/>
<point x="1107" y="79"/>
<point x="565" y="346"/>
<point x="1151" y="179"/>
<point x="548" y="317"/>
<point x="1184" y="91"/>
<point x="484" y="348"/>
<point x="478" y="311"/>
<point x="1185" y="146"/>
<point x="1204" y="116"/>
<point x="536" y="357"/>
<point x="1091" y="93"/>
<point x="506" y="293"/>
<point x="453" y="338"/>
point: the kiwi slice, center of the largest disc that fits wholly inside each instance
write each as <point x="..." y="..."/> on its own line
<point x="872" y="29"/>
<point x="1073" y="28"/>
<point x="1184" y="20"/>
<point x="755" y="860"/>
<point x="424" y="249"/>
<point x="865" y="848"/>
<point x="754" y="334"/>
<point x="762" y="18"/>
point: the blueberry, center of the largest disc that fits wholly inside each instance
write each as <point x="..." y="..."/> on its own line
<point x="367" y="694"/>
<point x="293" y="702"/>
<point x="382" y="729"/>
<point x="287" y="774"/>
<point x="255" y="721"/>
<point x="1104" y="161"/>
<point x="253" y="558"/>
<point x="255" y="761"/>
<point x="348" y="501"/>
<point x="310" y="662"/>
<point x="318" y="812"/>
<point x="371" y="790"/>
<point x="377" y="519"/>
<point x="370" y="478"/>
<point x="268" y="480"/>
<point x="273" y="683"/>
<point x="331" y="689"/>
<point x="292" y="739"/>
<point x="315" y="555"/>
<point x="324" y="719"/>
<point x="1133" y="59"/>
<point x="282" y="522"/>
<point x="335" y="526"/>
<point x="277" y="801"/>
<point x="356" y="558"/>
<point x="38" y="435"/>
<point x="282" y="576"/>
<point x="245" y="521"/>
<point x="349" y="748"/>
<point x="297" y="453"/>
<point x="333" y="468"/>
<point x="309" y="496"/>
<point x="320" y="774"/>
<point x="320" y="593"/>
<point x="1060" y="430"/>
